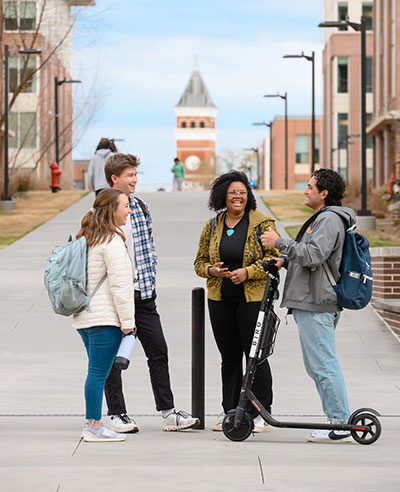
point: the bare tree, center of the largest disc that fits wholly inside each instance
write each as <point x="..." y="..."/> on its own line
<point x="47" y="19"/>
<point x="228" y="158"/>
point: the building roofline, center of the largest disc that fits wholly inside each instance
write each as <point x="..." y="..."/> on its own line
<point x="297" y="117"/>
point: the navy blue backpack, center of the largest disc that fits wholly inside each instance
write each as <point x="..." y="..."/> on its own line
<point x="354" y="288"/>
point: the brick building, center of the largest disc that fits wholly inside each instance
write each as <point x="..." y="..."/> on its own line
<point x="299" y="152"/>
<point x="341" y="60"/>
<point x="46" y="26"/>
<point x="385" y="125"/>
<point x="196" y="133"/>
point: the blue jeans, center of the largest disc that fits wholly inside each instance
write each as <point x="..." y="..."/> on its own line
<point x="317" y="339"/>
<point x="101" y="343"/>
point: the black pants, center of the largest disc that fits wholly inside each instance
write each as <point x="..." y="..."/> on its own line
<point x="151" y="336"/>
<point x="233" y="322"/>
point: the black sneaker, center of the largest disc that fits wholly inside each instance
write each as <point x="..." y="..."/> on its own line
<point x="123" y="423"/>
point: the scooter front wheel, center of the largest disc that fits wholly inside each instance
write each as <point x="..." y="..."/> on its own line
<point x="242" y="432"/>
<point x="366" y="420"/>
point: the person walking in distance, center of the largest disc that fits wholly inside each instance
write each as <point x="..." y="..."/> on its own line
<point x="309" y="295"/>
<point x="96" y="176"/>
<point x="121" y="174"/>
<point x="179" y="174"/>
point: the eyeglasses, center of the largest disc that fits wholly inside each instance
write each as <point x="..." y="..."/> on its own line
<point x="240" y="193"/>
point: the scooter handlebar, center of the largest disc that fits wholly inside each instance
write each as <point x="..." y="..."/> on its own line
<point x="270" y="266"/>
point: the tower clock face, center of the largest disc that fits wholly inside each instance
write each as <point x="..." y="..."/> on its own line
<point x="192" y="163"/>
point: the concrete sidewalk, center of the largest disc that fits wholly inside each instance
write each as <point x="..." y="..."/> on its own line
<point x="43" y="366"/>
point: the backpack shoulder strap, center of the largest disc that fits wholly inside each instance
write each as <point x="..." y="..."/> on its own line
<point x="97" y="287"/>
<point x="328" y="271"/>
<point x="258" y="241"/>
<point x="212" y="225"/>
<point x="142" y="205"/>
<point x="304" y="227"/>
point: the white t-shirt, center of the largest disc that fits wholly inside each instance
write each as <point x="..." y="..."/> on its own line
<point x="127" y="230"/>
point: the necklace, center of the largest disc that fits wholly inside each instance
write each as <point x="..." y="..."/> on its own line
<point x="231" y="229"/>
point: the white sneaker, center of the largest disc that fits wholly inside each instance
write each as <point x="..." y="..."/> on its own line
<point x="100" y="434"/>
<point x="218" y="425"/>
<point x="177" y="421"/>
<point x="260" y="425"/>
<point x="123" y="423"/>
<point x="326" y="435"/>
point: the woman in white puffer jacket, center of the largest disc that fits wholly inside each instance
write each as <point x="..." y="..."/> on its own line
<point x="111" y="310"/>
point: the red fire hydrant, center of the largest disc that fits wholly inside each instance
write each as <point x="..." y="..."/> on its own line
<point x="55" y="173"/>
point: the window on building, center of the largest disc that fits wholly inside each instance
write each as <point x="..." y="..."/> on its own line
<point x="192" y="124"/>
<point x="201" y="124"/>
<point x="183" y="124"/>
<point x="316" y="149"/>
<point x="23" y="126"/>
<point x="21" y="69"/>
<point x="343" y="74"/>
<point x="342" y="13"/>
<point x="367" y="8"/>
<point x="20" y="16"/>
<point x="301" y="146"/>
<point x="369" y="139"/>
<point x="368" y="70"/>
<point x="343" y="122"/>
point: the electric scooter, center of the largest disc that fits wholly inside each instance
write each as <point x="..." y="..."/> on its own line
<point x="363" y="424"/>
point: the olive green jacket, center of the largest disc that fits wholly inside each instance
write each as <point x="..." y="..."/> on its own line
<point x="208" y="254"/>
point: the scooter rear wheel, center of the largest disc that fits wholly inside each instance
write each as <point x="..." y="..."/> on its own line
<point x="366" y="437"/>
<point x="242" y="432"/>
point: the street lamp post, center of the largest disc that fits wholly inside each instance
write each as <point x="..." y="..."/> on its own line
<point x="310" y="58"/>
<point x="57" y="83"/>
<point x="256" y="150"/>
<point x="5" y="197"/>
<point x="361" y="27"/>
<point x="269" y="125"/>
<point x="286" y="133"/>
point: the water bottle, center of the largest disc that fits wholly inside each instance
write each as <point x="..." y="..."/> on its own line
<point x="125" y="350"/>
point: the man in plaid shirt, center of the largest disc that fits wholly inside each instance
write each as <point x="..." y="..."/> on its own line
<point x="121" y="173"/>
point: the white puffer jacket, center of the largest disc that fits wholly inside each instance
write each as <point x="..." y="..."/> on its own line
<point x="113" y="303"/>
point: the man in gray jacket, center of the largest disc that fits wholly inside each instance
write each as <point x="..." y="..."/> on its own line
<point x="309" y="295"/>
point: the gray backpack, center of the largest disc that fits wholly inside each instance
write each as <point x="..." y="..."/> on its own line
<point x="65" y="277"/>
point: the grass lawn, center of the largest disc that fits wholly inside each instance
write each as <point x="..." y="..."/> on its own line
<point x="33" y="209"/>
<point x="287" y="206"/>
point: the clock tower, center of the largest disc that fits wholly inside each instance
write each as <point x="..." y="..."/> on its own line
<point x="196" y="133"/>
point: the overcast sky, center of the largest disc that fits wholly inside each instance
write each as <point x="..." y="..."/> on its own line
<point x="137" y="56"/>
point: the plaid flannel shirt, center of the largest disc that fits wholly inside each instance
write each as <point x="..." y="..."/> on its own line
<point x="145" y="252"/>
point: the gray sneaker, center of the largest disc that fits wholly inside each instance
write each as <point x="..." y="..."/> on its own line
<point x="331" y="436"/>
<point x="123" y="423"/>
<point x="101" y="433"/>
<point x="218" y="425"/>
<point x="260" y="425"/>
<point x="177" y="421"/>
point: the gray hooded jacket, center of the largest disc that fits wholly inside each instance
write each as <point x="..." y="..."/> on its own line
<point x="307" y="286"/>
<point x="96" y="176"/>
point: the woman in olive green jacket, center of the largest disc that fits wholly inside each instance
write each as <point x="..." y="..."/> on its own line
<point x="229" y="257"/>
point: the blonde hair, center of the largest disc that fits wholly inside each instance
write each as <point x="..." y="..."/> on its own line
<point x="98" y="224"/>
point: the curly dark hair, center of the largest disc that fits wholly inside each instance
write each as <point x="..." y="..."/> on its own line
<point x="220" y="186"/>
<point x="333" y="183"/>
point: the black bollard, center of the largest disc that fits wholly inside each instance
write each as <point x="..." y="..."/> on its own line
<point x="198" y="379"/>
